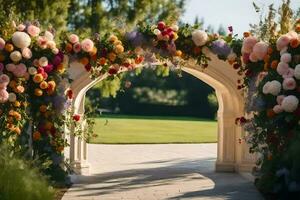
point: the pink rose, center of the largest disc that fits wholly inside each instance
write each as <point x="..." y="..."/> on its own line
<point x="21" y="27"/>
<point x="289" y="84"/>
<point x="77" y="47"/>
<point x="282" y="68"/>
<point x="42" y="42"/>
<point x="36" y="62"/>
<point x="279" y="99"/>
<point x="20" y="70"/>
<point x="286" y="57"/>
<point x="277" y="109"/>
<point x="292" y="35"/>
<point x="260" y="50"/>
<point x="87" y="45"/>
<point x="3" y="95"/>
<point x="10" y="67"/>
<point x="248" y="44"/>
<point x="282" y="42"/>
<point x="33" y="30"/>
<point x="73" y="38"/>
<point x="26" y="53"/>
<point x="2" y="43"/>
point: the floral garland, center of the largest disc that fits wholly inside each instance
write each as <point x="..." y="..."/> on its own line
<point x="272" y="78"/>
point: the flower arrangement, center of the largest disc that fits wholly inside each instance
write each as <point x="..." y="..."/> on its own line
<point x="272" y="81"/>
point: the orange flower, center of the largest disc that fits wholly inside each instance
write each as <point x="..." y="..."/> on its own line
<point x="270" y="113"/>
<point x="43" y="108"/>
<point x="12" y="84"/>
<point x="84" y="61"/>
<point x="294" y="43"/>
<point x="274" y="64"/>
<point x="43" y="85"/>
<point x="119" y="49"/>
<point x="60" y="148"/>
<point x="139" y="59"/>
<point x="36" y="136"/>
<point x="69" y="47"/>
<point x="19" y="89"/>
<point x="38" y="78"/>
<point x="17" y="130"/>
<point x="102" y="61"/>
<point x="60" y="68"/>
<point x="270" y="50"/>
<point x="93" y="52"/>
<point x="11" y="112"/>
<point x="112" y="57"/>
<point x="246" y="34"/>
<point x="112" y="38"/>
<point x="48" y="125"/>
<point x="17" y="116"/>
<point x="9" y="47"/>
<point x="297" y="28"/>
<point x="38" y="92"/>
<point x="10" y="119"/>
<point x="17" y="104"/>
<point x="178" y="53"/>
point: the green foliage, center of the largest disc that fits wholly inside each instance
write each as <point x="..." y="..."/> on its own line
<point x="19" y="180"/>
<point x="109" y="87"/>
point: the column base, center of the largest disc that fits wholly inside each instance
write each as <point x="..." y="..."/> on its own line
<point x="81" y="167"/>
<point x="245" y="167"/>
<point x="225" y="167"/>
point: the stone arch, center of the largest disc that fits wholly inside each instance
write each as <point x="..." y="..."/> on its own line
<point x="232" y="156"/>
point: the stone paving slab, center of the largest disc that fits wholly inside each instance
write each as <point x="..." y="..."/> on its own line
<point x="158" y="172"/>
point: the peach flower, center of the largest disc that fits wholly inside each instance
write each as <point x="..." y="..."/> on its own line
<point x="26" y="53"/>
<point x="33" y="30"/>
<point x="73" y="38"/>
<point x="289" y="84"/>
<point x="3" y="95"/>
<point x="87" y="45"/>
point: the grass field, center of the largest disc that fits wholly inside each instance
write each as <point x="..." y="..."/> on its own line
<point x="153" y="130"/>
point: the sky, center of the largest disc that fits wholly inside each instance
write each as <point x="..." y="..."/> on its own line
<point x="236" y="13"/>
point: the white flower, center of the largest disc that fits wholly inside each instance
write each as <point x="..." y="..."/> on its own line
<point x="15" y="56"/>
<point x="290" y="103"/>
<point x="199" y="37"/>
<point x="21" y="39"/>
<point x="32" y="70"/>
<point x="12" y="97"/>
<point x="43" y="61"/>
<point x="272" y="87"/>
<point x="156" y="32"/>
<point x="49" y="36"/>
<point x="175" y="28"/>
<point x="55" y="51"/>
<point x="297" y="71"/>
<point x="286" y="57"/>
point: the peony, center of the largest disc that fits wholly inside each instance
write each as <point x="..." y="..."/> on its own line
<point x="272" y="87"/>
<point x="289" y="84"/>
<point x="297" y="71"/>
<point x="289" y="74"/>
<point x="3" y="95"/>
<point x="253" y="57"/>
<point x="282" y="42"/>
<point x="77" y="47"/>
<point x="87" y="45"/>
<point x="277" y="109"/>
<point x="32" y="70"/>
<point x="42" y="42"/>
<point x="26" y="53"/>
<point x="21" y="39"/>
<point x="282" y="68"/>
<point x="286" y="58"/>
<point x="20" y="70"/>
<point x="33" y="30"/>
<point x="12" y="97"/>
<point x="292" y="35"/>
<point x="290" y="103"/>
<point x="260" y="50"/>
<point x="248" y="44"/>
<point x="199" y="37"/>
<point x="15" y="56"/>
<point x="43" y="61"/>
<point x="73" y="38"/>
<point x="2" y="43"/>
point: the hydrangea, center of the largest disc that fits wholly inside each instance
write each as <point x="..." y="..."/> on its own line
<point x="220" y="48"/>
<point x="290" y="103"/>
<point x="272" y="87"/>
<point x="199" y="37"/>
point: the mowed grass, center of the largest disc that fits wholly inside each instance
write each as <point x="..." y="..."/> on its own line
<point x="153" y="130"/>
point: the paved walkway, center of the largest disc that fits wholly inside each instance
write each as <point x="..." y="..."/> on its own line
<point x="158" y="172"/>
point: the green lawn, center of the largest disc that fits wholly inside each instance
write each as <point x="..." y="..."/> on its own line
<point x="155" y="130"/>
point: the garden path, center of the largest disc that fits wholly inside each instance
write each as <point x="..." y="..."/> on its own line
<point x="158" y="172"/>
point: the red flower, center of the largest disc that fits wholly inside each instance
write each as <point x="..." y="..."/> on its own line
<point x="161" y="26"/>
<point x="76" y="117"/>
<point x="70" y="94"/>
<point x="230" y="28"/>
<point x="236" y="66"/>
<point x="112" y="71"/>
<point x="88" y="67"/>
